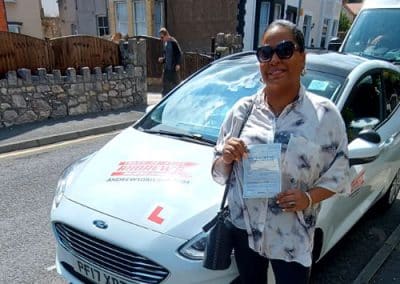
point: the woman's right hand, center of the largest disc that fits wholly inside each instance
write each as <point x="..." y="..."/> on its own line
<point x="234" y="149"/>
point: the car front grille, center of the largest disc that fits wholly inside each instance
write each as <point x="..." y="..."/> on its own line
<point x="120" y="261"/>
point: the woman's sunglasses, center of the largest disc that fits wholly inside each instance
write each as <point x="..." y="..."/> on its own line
<point x="284" y="50"/>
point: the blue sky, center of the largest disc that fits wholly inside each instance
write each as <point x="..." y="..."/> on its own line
<point x="50" y="7"/>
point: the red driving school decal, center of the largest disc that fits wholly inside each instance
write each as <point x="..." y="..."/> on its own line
<point x="153" y="171"/>
<point x="357" y="182"/>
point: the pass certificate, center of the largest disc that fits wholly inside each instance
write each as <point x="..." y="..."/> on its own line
<point x="262" y="173"/>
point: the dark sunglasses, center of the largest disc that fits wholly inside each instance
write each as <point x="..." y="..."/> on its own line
<point x="284" y="50"/>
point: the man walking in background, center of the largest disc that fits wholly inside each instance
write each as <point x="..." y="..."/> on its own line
<point x="171" y="59"/>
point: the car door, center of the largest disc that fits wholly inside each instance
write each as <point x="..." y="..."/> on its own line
<point x="390" y="128"/>
<point x="363" y="109"/>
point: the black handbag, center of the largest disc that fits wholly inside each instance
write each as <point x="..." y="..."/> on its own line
<point x="219" y="246"/>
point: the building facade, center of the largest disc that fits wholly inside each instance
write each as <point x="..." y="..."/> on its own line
<point x="136" y="17"/>
<point x="25" y="17"/>
<point x="195" y="22"/>
<point x="84" y="17"/>
<point x="319" y="19"/>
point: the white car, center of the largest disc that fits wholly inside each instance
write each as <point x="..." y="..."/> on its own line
<point x="133" y="211"/>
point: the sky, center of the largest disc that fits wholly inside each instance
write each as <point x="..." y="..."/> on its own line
<point x="50" y="7"/>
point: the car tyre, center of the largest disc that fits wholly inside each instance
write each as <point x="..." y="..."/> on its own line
<point x="391" y="194"/>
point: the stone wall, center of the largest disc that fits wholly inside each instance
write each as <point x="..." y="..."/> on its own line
<point x="26" y="98"/>
<point x="226" y="44"/>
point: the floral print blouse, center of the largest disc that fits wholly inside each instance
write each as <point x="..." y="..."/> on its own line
<point x="313" y="154"/>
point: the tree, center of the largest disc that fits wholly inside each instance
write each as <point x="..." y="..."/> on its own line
<point x="344" y="23"/>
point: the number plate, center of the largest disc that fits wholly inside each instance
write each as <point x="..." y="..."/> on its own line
<point x="97" y="275"/>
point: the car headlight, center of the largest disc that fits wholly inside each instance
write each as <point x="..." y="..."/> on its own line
<point x="66" y="178"/>
<point x="194" y="248"/>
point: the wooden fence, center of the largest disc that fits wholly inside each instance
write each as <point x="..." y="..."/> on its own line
<point x="22" y="51"/>
<point x="193" y="61"/>
<point x="81" y="51"/>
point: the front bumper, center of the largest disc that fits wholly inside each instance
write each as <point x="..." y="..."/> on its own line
<point x="159" y="248"/>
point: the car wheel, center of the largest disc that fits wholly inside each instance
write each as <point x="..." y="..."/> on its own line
<point x="390" y="195"/>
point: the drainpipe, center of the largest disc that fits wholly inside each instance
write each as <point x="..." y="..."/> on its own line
<point x="298" y="13"/>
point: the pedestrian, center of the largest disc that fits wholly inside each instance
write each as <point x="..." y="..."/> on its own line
<point x="313" y="163"/>
<point x="171" y="59"/>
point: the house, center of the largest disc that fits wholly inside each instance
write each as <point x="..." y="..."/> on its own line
<point x="136" y="17"/>
<point x="351" y="10"/>
<point x="25" y="17"/>
<point x="195" y="22"/>
<point x="84" y="17"/>
<point x="319" y="19"/>
<point x="3" y="17"/>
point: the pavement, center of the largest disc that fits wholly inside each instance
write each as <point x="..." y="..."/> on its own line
<point x="382" y="268"/>
<point x="20" y="137"/>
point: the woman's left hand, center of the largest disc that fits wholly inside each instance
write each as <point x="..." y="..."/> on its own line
<point x="292" y="200"/>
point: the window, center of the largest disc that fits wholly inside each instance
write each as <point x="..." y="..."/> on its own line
<point x="277" y="11"/>
<point x="307" y="29"/>
<point x="121" y="14"/>
<point x="363" y="108"/>
<point x="140" y="17"/>
<point x="263" y="21"/>
<point x="102" y="26"/>
<point x="15" y="27"/>
<point x="391" y="81"/>
<point x="324" y="33"/>
<point x="159" y="16"/>
<point x="335" y="27"/>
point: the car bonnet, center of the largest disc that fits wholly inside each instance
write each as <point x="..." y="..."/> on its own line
<point x="156" y="182"/>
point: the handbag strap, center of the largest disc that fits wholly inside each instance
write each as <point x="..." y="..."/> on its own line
<point x="230" y="174"/>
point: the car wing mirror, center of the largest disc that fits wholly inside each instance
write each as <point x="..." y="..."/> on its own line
<point x="365" y="148"/>
<point x="364" y="127"/>
<point x="334" y="44"/>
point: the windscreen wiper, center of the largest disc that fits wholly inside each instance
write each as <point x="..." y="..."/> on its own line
<point x="184" y="136"/>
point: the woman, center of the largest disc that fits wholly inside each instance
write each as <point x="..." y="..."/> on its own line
<point x="313" y="163"/>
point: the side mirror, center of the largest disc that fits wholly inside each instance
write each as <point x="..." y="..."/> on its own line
<point x="334" y="44"/>
<point x="365" y="148"/>
<point x="363" y="125"/>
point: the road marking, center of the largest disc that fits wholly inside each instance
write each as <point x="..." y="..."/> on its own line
<point x="379" y="258"/>
<point x="56" y="145"/>
<point x="50" y="268"/>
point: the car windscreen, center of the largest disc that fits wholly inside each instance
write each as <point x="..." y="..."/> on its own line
<point x="323" y="84"/>
<point x="375" y="34"/>
<point x="199" y="106"/>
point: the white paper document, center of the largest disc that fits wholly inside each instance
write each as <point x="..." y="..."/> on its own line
<point x="262" y="172"/>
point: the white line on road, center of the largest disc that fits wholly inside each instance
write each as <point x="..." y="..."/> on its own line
<point x="50" y="268"/>
<point x="56" y="145"/>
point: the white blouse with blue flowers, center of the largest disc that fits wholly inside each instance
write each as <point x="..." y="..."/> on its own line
<point x="314" y="154"/>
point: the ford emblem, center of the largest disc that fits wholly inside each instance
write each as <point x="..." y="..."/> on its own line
<point x="100" y="224"/>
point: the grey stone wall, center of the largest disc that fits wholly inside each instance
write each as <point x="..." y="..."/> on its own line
<point x="27" y="98"/>
<point x="226" y="44"/>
